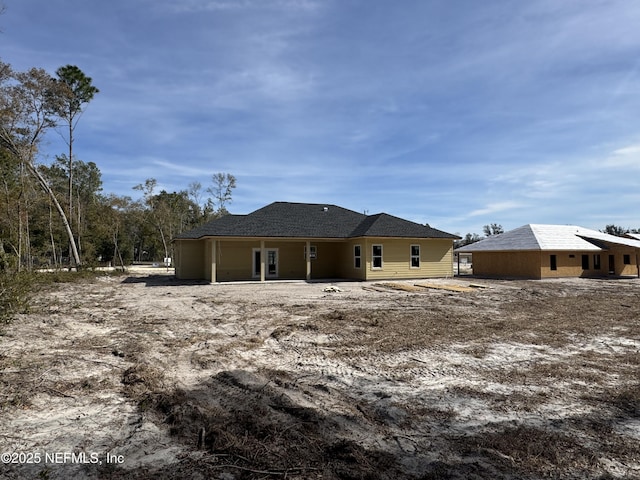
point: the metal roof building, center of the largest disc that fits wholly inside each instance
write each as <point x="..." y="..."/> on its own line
<point x="541" y="251"/>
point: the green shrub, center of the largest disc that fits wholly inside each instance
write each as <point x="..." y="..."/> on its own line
<point x="16" y="289"/>
<point x="14" y="294"/>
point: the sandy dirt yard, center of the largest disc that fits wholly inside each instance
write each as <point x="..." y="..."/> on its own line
<point x="142" y="376"/>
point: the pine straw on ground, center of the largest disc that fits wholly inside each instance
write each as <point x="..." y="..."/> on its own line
<point x="521" y="380"/>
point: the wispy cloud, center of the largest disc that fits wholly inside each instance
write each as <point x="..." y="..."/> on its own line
<point x="627" y="157"/>
<point x="493" y="208"/>
<point x="181" y="170"/>
<point x="507" y="112"/>
<point x="627" y="151"/>
<point x="236" y="5"/>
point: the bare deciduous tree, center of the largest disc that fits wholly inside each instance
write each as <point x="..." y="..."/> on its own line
<point x="223" y="184"/>
<point x="29" y="102"/>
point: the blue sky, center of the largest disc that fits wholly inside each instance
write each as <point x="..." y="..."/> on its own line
<point x="456" y="113"/>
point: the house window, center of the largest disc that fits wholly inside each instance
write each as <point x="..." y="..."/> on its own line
<point x="626" y="259"/>
<point x="585" y="262"/>
<point x="272" y="262"/>
<point x="314" y="252"/>
<point x="357" y="256"/>
<point x="376" y="256"/>
<point x="554" y="262"/>
<point x="415" y="256"/>
<point x="596" y="261"/>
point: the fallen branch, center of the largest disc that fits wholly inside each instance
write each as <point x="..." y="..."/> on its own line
<point x="450" y="288"/>
<point x="59" y="393"/>
<point x="283" y="472"/>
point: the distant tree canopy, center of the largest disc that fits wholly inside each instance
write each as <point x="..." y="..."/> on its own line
<point x="617" y="230"/>
<point x="492" y="229"/>
<point x="469" y="238"/>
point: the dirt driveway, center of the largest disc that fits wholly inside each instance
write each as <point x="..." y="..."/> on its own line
<point x="145" y="377"/>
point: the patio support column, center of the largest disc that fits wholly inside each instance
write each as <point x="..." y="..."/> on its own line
<point x="263" y="260"/>
<point x="214" y="266"/>
<point x="308" y="250"/>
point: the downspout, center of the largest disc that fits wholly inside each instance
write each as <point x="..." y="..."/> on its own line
<point x="263" y="266"/>
<point x="308" y="260"/>
<point x="214" y="262"/>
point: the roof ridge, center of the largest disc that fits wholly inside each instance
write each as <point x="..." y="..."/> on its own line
<point x="305" y="203"/>
<point x="313" y="220"/>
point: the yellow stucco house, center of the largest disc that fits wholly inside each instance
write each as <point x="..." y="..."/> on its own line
<point x="547" y="251"/>
<point x="306" y="241"/>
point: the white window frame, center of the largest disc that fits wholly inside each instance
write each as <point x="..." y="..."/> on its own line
<point x="412" y="256"/>
<point x="255" y="273"/>
<point x="374" y="256"/>
<point x="314" y="252"/>
<point x="357" y="258"/>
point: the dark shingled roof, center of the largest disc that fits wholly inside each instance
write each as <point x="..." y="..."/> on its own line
<point x="312" y="220"/>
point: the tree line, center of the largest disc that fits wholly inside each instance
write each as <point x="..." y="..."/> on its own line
<point x="57" y="215"/>
<point x="488" y="230"/>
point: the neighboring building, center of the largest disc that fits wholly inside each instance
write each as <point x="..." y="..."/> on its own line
<point x="311" y="241"/>
<point x="543" y="251"/>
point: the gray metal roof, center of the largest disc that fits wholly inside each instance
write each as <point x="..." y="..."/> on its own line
<point x="312" y="220"/>
<point x="548" y="238"/>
